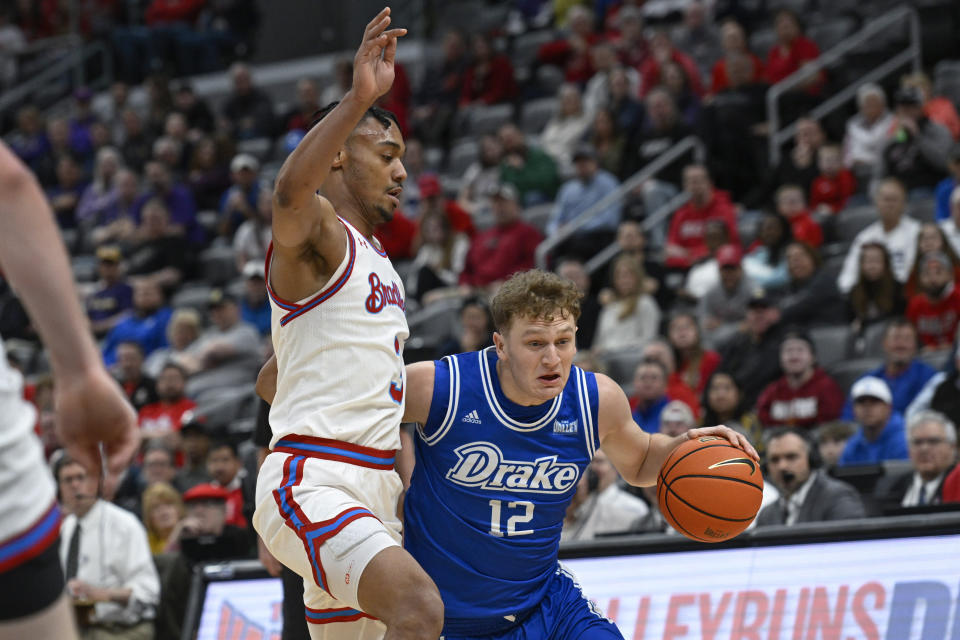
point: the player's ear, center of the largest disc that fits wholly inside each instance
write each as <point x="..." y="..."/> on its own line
<point x="338" y="160"/>
<point x="498" y="343"/>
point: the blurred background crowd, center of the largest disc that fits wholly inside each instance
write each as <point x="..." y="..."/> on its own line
<point x="759" y="199"/>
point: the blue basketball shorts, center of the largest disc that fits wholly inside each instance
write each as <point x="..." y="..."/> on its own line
<point x="564" y="614"/>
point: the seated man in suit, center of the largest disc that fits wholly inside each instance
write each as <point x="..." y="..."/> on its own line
<point x="807" y="494"/>
<point x="932" y="441"/>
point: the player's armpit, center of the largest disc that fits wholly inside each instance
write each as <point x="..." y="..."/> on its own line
<point x="419" y="392"/>
<point x="267" y="380"/>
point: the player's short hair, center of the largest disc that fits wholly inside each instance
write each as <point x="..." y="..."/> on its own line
<point x="382" y="116"/>
<point x="537" y="295"/>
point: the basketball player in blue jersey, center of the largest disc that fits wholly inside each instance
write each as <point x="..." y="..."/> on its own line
<point x="503" y="437"/>
<point x="91" y="412"/>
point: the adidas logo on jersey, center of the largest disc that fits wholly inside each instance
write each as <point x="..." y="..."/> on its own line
<point x="482" y="465"/>
<point x="473" y="417"/>
<point x="565" y="426"/>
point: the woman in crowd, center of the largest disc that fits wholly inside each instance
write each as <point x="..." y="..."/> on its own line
<point x="254" y="235"/>
<point x="877" y="295"/>
<point x="99" y="194"/>
<point x="766" y="261"/>
<point x="208" y="176"/>
<point x="162" y="511"/>
<point x="676" y="81"/>
<point x="811" y="296"/>
<point x="566" y="127"/>
<point x="930" y="239"/>
<point x="694" y="362"/>
<point x="607" y="138"/>
<point x="632" y="317"/>
<point x="723" y="404"/>
<point x="439" y="260"/>
<point x="733" y="40"/>
<point x="182" y="331"/>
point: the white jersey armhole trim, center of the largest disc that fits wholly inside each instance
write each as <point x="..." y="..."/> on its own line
<point x="585" y="412"/>
<point x="453" y="403"/>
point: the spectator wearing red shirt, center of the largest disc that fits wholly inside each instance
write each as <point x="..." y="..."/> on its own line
<point x="937" y="108"/>
<point x="396" y="236"/>
<point x="572" y="52"/>
<point x="685" y="240"/>
<point x="662" y="51"/>
<point x="505" y="248"/>
<point x="694" y="362"/>
<point x="226" y="469"/>
<point x="397" y="99"/>
<point x="831" y="189"/>
<point x="792" y="51"/>
<point x="805" y="396"/>
<point x="489" y="78"/>
<point x="733" y="41"/>
<point x="935" y="311"/>
<point x="792" y="205"/>
<point x="162" y="419"/>
<point x="659" y="350"/>
<point x="631" y="45"/>
<point x="432" y="199"/>
<point x="161" y="12"/>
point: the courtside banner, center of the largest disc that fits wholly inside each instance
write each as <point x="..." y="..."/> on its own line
<point x="242" y="610"/>
<point x="893" y="589"/>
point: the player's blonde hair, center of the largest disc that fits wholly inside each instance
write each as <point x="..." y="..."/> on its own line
<point x="537" y="295"/>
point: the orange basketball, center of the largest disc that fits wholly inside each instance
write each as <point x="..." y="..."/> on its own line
<point x="709" y="490"/>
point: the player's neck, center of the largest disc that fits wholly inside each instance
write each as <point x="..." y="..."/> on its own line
<point x="346" y="205"/>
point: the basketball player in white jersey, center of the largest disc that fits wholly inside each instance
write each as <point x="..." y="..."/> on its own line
<point x="91" y="411"/>
<point x="327" y="494"/>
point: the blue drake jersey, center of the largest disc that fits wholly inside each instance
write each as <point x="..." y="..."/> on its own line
<point x="492" y="483"/>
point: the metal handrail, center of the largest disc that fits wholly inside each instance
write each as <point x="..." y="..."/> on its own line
<point x="607" y="254"/>
<point x="648" y="171"/>
<point x="71" y="64"/>
<point x="912" y="53"/>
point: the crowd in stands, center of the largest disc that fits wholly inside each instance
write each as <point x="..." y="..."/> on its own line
<point x="809" y="303"/>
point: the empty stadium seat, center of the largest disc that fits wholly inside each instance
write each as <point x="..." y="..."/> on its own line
<point x="936" y="359"/>
<point x="852" y="221"/>
<point x="192" y="296"/>
<point x="488" y="118"/>
<point x="84" y="268"/>
<point x="845" y="373"/>
<point x="219" y="265"/>
<point x="832" y="344"/>
<point x="464" y="153"/>
<point x="831" y="33"/>
<point x="621" y="365"/>
<point x="538" y="215"/>
<point x="872" y="342"/>
<point x="537" y="113"/>
<point x="923" y="210"/>
<point x="526" y="46"/>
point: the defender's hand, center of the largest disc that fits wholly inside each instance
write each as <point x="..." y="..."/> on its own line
<point x="373" y="64"/>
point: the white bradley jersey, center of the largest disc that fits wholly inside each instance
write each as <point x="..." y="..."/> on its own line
<point x="340" y="352"/>
<point x="26" y="485"/>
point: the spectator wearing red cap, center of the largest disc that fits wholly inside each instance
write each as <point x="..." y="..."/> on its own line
<point x="685" y="240"/>
<point x="432" y="199"/>
<point x="805" y="395"/>
<point x="725" y="304"/>
<point x="206" y="534"/>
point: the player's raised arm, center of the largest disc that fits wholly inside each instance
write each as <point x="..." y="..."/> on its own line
<point x="636" y="454"/>
<point x="298" y="214"/>
<point x="91" y="409"/>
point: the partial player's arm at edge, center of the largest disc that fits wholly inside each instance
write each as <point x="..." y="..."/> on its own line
<point x="267" y="380"/>
<point x="636" y="454"/>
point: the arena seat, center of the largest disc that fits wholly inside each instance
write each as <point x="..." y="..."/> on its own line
<point x="832" y="344"/>
<point x="218" y="264"/>
<point x="621" y="365"/>
<point x="537" y="113"/>
<point x="852" y="221"/>
<point x="84" y="268"/>
<point x="538" y="215"/>
<point x="192" y="295"/>
<point x="525" y="47"/>
<point x="846" y="372"/>
<point x="923" y="210"/>
<point x="488" y="118"/>
<point x="464" y="153"/>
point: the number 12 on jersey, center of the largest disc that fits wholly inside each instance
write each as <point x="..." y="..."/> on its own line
<point x="512" y="522"/>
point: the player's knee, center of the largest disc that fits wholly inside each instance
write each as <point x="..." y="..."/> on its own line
<point x="420" y="615"/>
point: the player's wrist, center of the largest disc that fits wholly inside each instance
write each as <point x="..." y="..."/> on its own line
<point x="357" y="102"/>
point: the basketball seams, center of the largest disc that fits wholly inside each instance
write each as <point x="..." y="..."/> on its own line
<point x="704" y="475"/>
<point x="691" y="452"/>
<point x="706" y="513"/>
<point x="676" y="523"/>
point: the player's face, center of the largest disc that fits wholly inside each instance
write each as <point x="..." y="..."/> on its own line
<point x="788" y="462"/>
<point x="374" y="171"/>
<point x="536" y="356"/>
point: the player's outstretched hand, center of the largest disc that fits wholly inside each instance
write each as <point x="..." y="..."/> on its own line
<point x="373" y="64"/>
<point x="737" y="439"/>
<point x="91" y="409"/>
